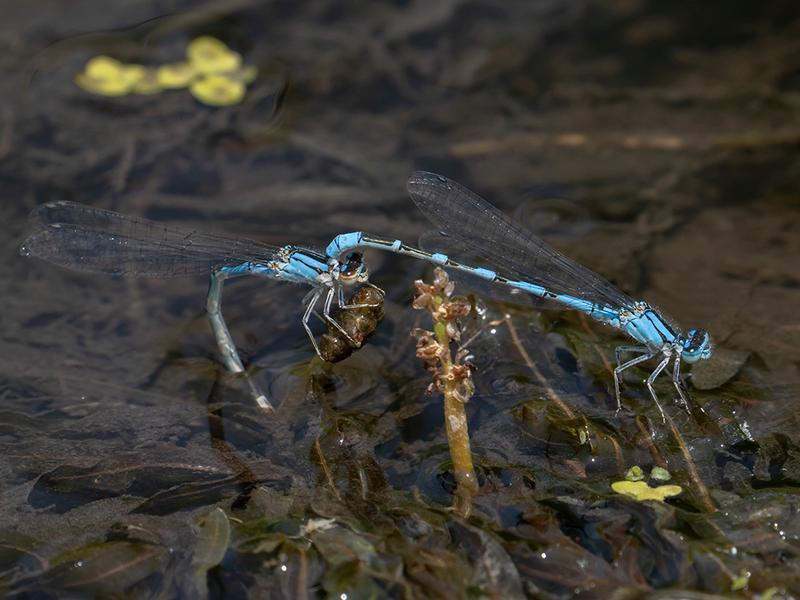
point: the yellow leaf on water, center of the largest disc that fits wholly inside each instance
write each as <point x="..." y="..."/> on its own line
<point x="218" y="90"/>
<point x="214" y="74"/>
<point x="113" y="87"/>
<point x="133" y="73"/>
<point x="103" y="67"/>
<point x="175" y="75"/>
<point x="106" y="76"/>
<point x="639" y="490"/>
<point x="208" y="55"/>
<point x="147" y="83"/>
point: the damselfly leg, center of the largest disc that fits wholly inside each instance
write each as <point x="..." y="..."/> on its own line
<point x="326" y="314"/>
<point x="313" y="298"/>
<point x="344" y="305"/>
<point x="656" y="372"/>
<point x="645" y="353"/>
<point x="678" y="383"/>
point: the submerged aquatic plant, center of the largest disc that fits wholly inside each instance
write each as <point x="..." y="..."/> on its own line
<point x="213" y="73"/>
<point x="452" y="374"/>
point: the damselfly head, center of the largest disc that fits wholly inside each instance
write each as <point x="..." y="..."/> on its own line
<point x="696" y="345"/>
<point x="353" y="269"/>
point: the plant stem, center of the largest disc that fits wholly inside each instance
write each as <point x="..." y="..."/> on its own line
<point x="549" y="391"/>
<point x="455" y="419"/>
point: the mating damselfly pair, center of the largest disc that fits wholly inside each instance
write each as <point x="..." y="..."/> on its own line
<point x="90" y="239"/>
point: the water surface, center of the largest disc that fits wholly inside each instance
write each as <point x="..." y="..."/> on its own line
<point x="657" y="144"/>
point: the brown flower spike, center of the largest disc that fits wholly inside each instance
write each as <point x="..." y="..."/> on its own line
<point x="452" y="375"/>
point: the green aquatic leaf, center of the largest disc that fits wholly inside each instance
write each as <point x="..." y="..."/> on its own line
<point x="66" y="486"/>
<point x="188" y="495"/>
<point x="19" y="551"/>
<point x="213" y="538"/>
<point x="740" y="582"/>
<point x="100" y="568"/>
<point x="635" y="473"/>
<point x="660" y="474"/>
<point x="767" y="594"/>
<point x="339" y="545"/>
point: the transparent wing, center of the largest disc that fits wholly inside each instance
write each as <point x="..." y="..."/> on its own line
<point x="436" y="241"/>
<point x="504" y="246"/>
<point x="100" y="241"/>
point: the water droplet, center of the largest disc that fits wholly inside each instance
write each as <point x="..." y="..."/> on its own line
<point x="284" y="568"/>
<point x="544" y="554"/>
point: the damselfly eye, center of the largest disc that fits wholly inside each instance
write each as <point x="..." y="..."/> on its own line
<point x="353" y="265"/>
<point x="697" y="338"/>
<point x="697" y="345"/>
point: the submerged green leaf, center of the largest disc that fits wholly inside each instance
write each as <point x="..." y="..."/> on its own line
<point x="339" y="545"/>
<point x="213" y="537"/>
<point x="100" y="568"/>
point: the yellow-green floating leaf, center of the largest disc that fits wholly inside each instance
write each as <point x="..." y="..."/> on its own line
<point x="740" y="582"/>
<point x="209" y="55"/>
<point x="218" y="90"/>
<point x="106" y="76"/>
<point x="639" y="490"/>
<point x="660" y="474"/>
<point x="147" y="83"/>
<point x="175" y="75"/>
<point x="635" y="473"/>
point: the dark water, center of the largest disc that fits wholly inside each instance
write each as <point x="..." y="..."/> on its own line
<point x="655" y="142"/>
